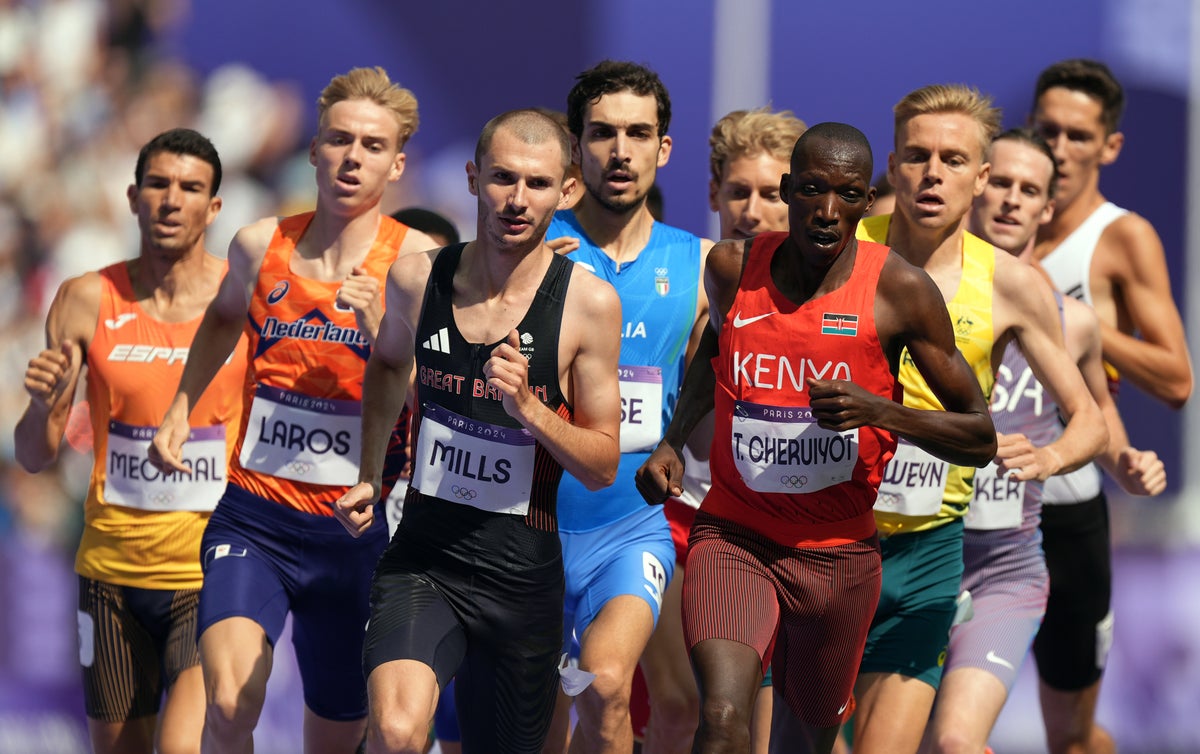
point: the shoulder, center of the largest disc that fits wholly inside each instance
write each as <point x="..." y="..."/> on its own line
<point x="252" y="240"/>
<point x="1013" y="277"/>
<point x="76" y="306"/>
<point x="724" y="260"/>
<point x="590" y="292"/>
<point x="1130" y="240"/>
<point x="411" y="271"/>
<point x="415" y="240"/>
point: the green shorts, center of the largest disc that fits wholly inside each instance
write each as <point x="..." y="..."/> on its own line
<point x="922" y="576"/>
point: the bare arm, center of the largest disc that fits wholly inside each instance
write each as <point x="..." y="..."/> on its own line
<point x="1024" y="305"/>
<point x="219" y="330"/>
<point x="1139" y="472"/>
<point x="386" y="384"/>
<point x="52" y="375"/>
<point x="587" y="447"/>
<point x="1157" y="361"/>
<point x="910" y="312"/>
<point x="660" y="476"/>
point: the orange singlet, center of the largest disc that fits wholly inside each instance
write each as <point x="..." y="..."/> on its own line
<point x="301" y="428"/>
<point x="142" y="528"/>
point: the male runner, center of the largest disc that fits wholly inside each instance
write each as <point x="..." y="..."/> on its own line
<point x="617" y="552"/>
<point x="1004" y="567"/>
<point x="306" y="291"/>
<point x="937" y="169"/>
<point x="783" y="561"/>
<point x="515" y="349"/>
<point x="1113" y="261"/>
<point x="139" y="577"/>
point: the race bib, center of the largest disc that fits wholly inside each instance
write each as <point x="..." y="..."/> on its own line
<point x="914" y="482"/>
<point x="472" y="462"/>
<point x="998" y="500"/>
<point x="302" y="438"/>
<point x="132" y="481"/>
<point x="782" y="449"/>
<point x="641" y="408"/>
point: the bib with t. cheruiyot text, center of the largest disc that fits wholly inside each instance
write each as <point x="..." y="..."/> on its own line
<point x="783" y="449"/>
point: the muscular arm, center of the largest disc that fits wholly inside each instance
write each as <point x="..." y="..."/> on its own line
<point x="587" y="447"/>
<point x="660" y="476"/>
<point x="215" y="339"/>
<point x="1024" y="305"/>
<point x="1139" y="472"/>
<point x="53" y="374"/>
<point x="386" y="384"/>
<point x="911" y="312"/>
<point x="1130" y="254"/>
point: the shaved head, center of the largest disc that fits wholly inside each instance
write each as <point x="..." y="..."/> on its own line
<point x="530" y="127"/>
<point x="837" y="140"/>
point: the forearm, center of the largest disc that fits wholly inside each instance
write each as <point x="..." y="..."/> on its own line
<point x="38" y="435"/>
<point x="589" y="455"/>
<point x="1154" y="369"/>
<point x="1083" y="439"/>
<point x="696" y="394"/>
<point x="211" y="346"/>
<point x="385" y="387"/>
<point x="1118" y="441"/>
<point x="963" y="439"/>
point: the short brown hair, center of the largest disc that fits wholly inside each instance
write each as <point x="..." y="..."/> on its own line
<point x="950" y="98"/>
<point x="1091" y="77"/>
<point x="752" y="132"/>
<point x="374" y="85"/>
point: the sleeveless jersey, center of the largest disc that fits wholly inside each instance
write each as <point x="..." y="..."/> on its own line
<point x="301" y="427"/>
<point x="1070" y="266"/>
<point x="1007" y="509"/>
<point x="773" y="468"/>
<point x="468" y="450"/>
<point x="658" y="290"/>
<point x="920" y="491"/>
<point x="142" y="528"/>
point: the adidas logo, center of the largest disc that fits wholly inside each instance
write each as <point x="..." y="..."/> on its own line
<point x="439" y="341"/>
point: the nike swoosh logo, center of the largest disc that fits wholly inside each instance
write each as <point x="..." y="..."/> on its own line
<point x="113" y="324"/>
<point x="843" y="707"/>
<point x="993" y="657"/>
<point x="739" y="322"/>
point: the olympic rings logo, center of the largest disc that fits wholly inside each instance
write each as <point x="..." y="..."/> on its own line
<point x="299" y="467"/>
<point x="162" y="498"/>
<point x="463" y="493"/>
<point x="793" y="481"/>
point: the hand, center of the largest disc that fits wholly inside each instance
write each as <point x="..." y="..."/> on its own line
<point x="360" y="292"/>
<point x="1020" y="459"/>
<point x="563" y="245"/>
<point x="1141" y="472"/>
<point x="508" y="371"/>
<point x="840" y="405"/>
<point x="52" y="372"/>
<point x="166" y="449"/>
<point x="356" y="508"/>
<point x="660" y="476"/>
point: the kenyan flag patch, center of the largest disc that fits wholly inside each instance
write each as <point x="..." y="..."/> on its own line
<point x="839" y="324"/>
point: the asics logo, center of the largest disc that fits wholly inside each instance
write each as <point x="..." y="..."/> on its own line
<point x="739" y="322"/>
<point x="120" y="321"/>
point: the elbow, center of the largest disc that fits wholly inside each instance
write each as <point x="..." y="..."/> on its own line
<point x="1176" y="394"/>
<point x="983" y="450"/>
<point x="604" y="472"/>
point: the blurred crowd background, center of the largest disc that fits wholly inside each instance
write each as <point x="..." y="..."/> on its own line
<point x="84" y="83"/>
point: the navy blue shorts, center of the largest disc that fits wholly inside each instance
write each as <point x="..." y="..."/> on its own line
<point x="262" y="559"/>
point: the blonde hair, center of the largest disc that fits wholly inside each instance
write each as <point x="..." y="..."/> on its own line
<point x="752" y="132"/>
<point x="374" y="85"/>
<point x="951" y="98"/>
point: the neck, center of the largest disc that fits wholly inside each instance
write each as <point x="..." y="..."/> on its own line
<point x="156" y="272"/>
<point x="337" y="236"/>
<point x="924" y="247"/>
<point x="492" y="271"/>
<point x="621" y="235"/>
<point x="1070" y="216"/>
